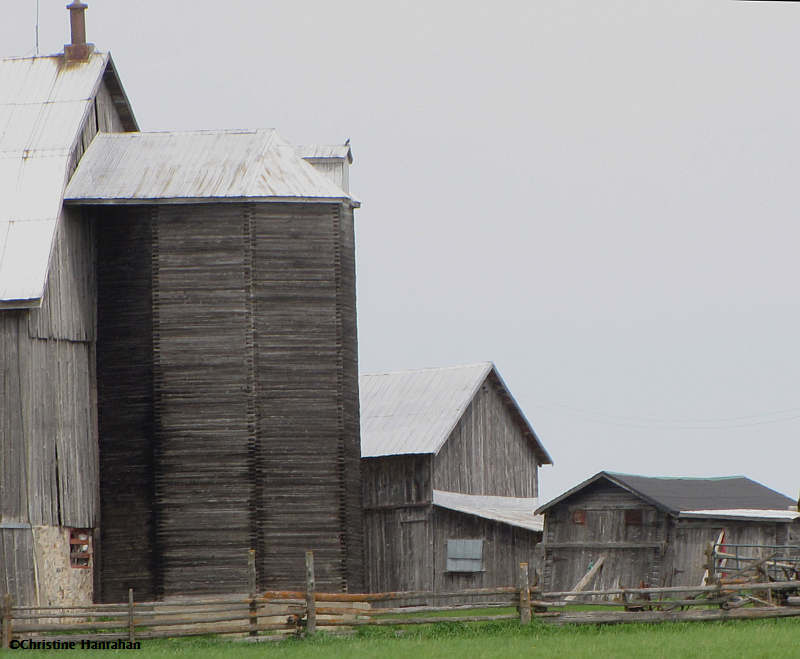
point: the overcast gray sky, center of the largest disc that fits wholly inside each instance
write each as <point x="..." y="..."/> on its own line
<point x="599" y="196"/>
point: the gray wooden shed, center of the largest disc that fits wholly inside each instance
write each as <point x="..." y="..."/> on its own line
<point x="178" y="344"/>
<point x="656" y="530"/>
<point x="450" y="480"/>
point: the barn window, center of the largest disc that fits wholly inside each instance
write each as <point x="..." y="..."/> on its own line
<point x="465" y="555"/>
<point x="80" y="548"/>
<point x="633" y="517"/>
<point x="579" y="516"/>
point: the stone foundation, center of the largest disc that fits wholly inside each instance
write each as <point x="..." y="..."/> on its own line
<point x="59" y="584"/>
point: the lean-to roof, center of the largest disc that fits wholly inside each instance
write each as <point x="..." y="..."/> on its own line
<point x="414" y="412"/>
<point x="506" y="510"/>
<point x="191" y="166"/>
<point x="43" y="104"/>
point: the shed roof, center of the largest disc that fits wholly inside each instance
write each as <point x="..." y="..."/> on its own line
<point x="729" y="496"/>
<point x="170" y="166"/>
<point x="43" y="104"/>
<point x="507" y="510"/>
<point x="414" y="412"/>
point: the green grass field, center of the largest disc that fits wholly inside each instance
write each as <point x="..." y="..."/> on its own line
<point x="774" y="638"/>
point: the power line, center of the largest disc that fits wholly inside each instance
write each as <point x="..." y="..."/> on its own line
<point x="719" y="423"/>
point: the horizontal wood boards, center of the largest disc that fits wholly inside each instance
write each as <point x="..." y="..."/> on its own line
<point x="238" y="371"/>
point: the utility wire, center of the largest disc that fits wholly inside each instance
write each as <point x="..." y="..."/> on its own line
<point x="720" y="423"/>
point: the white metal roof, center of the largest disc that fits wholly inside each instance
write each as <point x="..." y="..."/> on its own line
<point x="407" y="412"/>
<point x="43" y="101"/>
<point x="743" y="513"/>
<point x="183" y="166"/>
<point x="508" y="510"/>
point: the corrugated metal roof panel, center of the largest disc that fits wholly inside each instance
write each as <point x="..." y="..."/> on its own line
<point x="43" y="127"/>
<point x="37" y="80"/>
<point x="508" y="510"/>
<point x="232" y="164"/>
<point x="408" y="412"/>
<point x="30" y="188"/>
<point x="42" y="103"/>
<point x="25" y="255"/>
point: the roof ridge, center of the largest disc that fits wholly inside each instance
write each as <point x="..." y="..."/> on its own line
<point x="429" y="368"/>
<point x="685" y="478"/>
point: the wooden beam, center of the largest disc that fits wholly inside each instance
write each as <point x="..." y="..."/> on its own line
<point x="587" y="578"/>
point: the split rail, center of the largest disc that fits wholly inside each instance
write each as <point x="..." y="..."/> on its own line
<point x="306" y="612"/>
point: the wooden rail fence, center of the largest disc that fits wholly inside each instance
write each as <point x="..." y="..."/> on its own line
<point x="308" y="611"/>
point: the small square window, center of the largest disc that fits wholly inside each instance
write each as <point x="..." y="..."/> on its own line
<point x="634" y="517"/>
<point x="579" y="516"/>
<point x="80" y="548"/>
<point x="464" y="555"/>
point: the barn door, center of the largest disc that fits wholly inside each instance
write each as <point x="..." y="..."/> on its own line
<point x="689" y="548"/>
<point x="415" y="551"/>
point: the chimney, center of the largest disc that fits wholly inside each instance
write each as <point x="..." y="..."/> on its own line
<point x="78" y="50"/>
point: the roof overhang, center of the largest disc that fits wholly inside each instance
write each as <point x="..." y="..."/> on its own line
<point x="517" y="512"/>
<point x="149" y="201"/>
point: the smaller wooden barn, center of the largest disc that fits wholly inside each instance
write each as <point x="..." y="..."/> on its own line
<point x="450" y="480"/>
<point x="656" y="530"/>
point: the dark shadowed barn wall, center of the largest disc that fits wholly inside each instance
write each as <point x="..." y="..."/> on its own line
<point x="126" y="552"/>
<point x="249" y="430"/>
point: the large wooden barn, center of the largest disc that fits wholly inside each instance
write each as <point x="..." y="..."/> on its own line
<point x="450" y="471"/>
<point x="178" y="349"/>
<point x="657" y="530"/>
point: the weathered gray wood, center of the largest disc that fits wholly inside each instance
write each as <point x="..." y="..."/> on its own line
<point x="7" y="620"/>
<point x="524" y="595"/>
<point x="775" y="585"/>
<point x="244" y="409"/>
<point x="587" y="578"/>
<point x="131" y="627"/>
<point x="617" y="617"/>
<point x="381" y="622"/>
<point x="311" y="610"/>
<point x="251" y="583"/>
<point x="489" y="450"/>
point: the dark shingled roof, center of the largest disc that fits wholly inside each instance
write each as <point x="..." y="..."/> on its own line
<point x="674" y="495"/>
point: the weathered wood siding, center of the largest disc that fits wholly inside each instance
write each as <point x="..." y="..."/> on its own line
<point x="487" y="452"/>
<point x="307" y="400"/>
<point x="397" y="480"/>
<point x="399" y="554"/>
<point x="17" y="572"/>
<point x="397" y="494"/>
<point x="634" y="553"/>
<point x="504" y="548"/>
<point x="202" y="388"/>
<point x="689" y="539"/>
<point x="48" y="413"/>
<point x="247" y="404"/>
<point x="126" y="552"/>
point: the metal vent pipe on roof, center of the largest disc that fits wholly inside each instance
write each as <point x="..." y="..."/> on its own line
<point x="78" y="49"/>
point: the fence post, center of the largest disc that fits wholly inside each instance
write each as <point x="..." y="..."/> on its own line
<point x="131" y="629"/>
<point x="524" y="595"/>
<point x="6" y="621"/>
<point x="311" y="605"/>
<point x="251" y="584"/>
